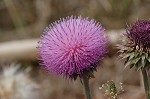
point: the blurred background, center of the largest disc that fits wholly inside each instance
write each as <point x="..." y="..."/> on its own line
<point x="23" y="21"/>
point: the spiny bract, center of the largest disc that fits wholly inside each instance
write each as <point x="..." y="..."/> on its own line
<point x="136" y="50"/>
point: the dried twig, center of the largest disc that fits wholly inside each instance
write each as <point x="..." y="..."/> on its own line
<point x="26" y="49"/>
<point x="18" y="50"/>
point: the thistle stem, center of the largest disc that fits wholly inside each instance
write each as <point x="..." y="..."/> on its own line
<point x="146" y="83"/>
<point x="86" y="87"/>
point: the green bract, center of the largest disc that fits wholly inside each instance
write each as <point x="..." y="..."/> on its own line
<point x="134" y="57"/>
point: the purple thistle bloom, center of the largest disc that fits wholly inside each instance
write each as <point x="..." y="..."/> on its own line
<point x="136" y="50"/>
<point x="139" y="33"/>
<point x="72" y="46"/>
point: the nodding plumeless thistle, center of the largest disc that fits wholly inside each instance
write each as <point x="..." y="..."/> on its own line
<point x="72" y="47"/>
<point x="136" y="49"/>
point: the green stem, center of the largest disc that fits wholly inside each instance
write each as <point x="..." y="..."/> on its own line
<point x="86" y="87"/>
<point x="146" y="83"/>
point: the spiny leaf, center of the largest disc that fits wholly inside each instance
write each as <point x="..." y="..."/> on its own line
<point x="146" y="55"/>
<point x="138" y="65"/>
<point x="136" y="60"/>
<point x="131" y="55"/>
<point x="136" y="54"/>
<point x="129" y="49"/>
<point x="143" y="61"/>
<point x="127" y="64"/>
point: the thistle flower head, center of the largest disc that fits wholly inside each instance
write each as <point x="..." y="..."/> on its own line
<point x="137" y="48"/>
<point x="72" y="46"/>
<point x="139" y="34"/>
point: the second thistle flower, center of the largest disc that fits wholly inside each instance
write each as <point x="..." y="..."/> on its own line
<point x="137" y="48"/>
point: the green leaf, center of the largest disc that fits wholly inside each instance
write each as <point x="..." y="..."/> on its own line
<point x="131" y="55"/>
<point x="136" y="60"/>
<point x="143" y="60"/>
<point x="131" y="62"/>
<point x="130" y="49"/>
<point x="139" y="65"/>
<point x="136" y="54"/>
<point x="128" y="63"/>
<point x="146" y="55"/>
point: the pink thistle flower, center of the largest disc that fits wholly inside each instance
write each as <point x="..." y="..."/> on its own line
<point x="72" y="46"/>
